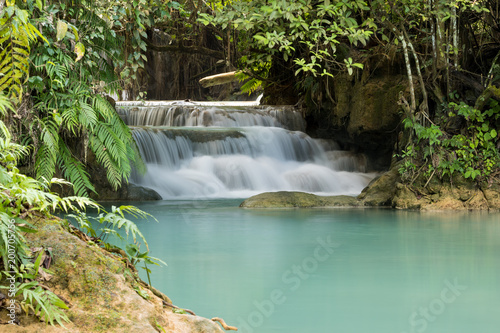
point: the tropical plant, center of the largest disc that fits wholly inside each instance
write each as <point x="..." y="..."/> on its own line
<point x="36" y="298"/>
<point x="16" y="34"/>
<point x="21" y="198"/>
<point x="277" y="40"/>
<point x="472" y="152"/>
<point x="111" y="223"/>
<point x="68" y="117"/>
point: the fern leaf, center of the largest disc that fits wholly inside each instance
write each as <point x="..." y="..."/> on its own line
<point x="119" y="221"/>
<point x="70" y="119"/>
<point x="113" y="172"/>
<point x="88" y="116"/>
<point x="74" y="171"/>
<point x="45" y="165"/>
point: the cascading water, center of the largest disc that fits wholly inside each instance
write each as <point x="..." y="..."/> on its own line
<point x="227" y="149"/>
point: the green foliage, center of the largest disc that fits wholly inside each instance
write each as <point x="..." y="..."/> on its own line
<point x="22" y="197"/>
<point x="16" y="33"/>
<point x="44" y="303"/>
<point x="300" y="35"/>
<point x="136" y="257"/>
<point x="38" y="300"/>
<point x="472" y="153"/>
<point x="69" y="70"/>
<point x="112" y="222"/>
<point x="251" y="85"/>
<point x="144" y="294"/>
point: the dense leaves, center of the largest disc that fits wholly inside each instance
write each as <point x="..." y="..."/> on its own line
<point x="23" y="202"/>
<point x="66" y="68"/>
<point x="304" y="37"/>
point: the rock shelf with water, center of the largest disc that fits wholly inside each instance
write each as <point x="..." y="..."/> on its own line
<point x="197" y="150"/>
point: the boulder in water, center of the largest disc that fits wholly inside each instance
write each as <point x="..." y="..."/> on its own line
<point x="285" y="199"/>
<point x="382" y="189"/>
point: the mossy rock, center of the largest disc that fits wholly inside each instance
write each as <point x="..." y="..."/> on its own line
<point x="285" y="199"/>
<point x="381" y="189"/>
<point x="102" y="291"/>
<point x="492" y="195"/>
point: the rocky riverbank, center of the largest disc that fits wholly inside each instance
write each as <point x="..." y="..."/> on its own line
<point x="389" y="191"/>
<point x="103" y="292"/>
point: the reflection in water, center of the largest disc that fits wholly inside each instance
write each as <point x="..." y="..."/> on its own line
<point x="318" y="270"/>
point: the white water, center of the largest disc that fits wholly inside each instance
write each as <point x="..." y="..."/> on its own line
<point x="210" y="151"/>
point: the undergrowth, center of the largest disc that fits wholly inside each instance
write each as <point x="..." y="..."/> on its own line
<point x="471" y="150"/>
<point x="23" y="198"/>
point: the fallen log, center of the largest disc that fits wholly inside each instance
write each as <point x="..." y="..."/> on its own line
<point x="218" y="79"/>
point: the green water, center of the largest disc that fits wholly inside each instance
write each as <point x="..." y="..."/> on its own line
<point x="300" y="271"/>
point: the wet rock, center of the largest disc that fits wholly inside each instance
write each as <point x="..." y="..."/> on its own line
<point x="365" y="116"/>
<point x="492" y="195"/>
<point x="382" y="189"/>
<point x="285" y="199"/>
<point x="444" y="203"/>
<point x="455" y="194"/>
<point x="128" y="192"/>
<point x="406" y="199"/>
<point x="141" y="193"/>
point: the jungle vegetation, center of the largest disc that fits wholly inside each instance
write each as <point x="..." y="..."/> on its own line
<point x="59" y="59"/>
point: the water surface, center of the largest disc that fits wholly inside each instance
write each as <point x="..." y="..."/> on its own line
<point x="316" y="270"/>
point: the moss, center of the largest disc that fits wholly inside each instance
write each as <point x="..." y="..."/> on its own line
<point x="99" y="287"/>
<point x="297" y="200"/>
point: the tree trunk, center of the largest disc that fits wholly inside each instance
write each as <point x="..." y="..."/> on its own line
<point x="454" y="28"/>
<point x="409" y="73"/>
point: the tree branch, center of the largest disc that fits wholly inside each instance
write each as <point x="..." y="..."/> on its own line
<point x="490" y="92"/>
<point x="224" y="325"/>
<point x="178" y="308"/>
<point x="186" y="49"/>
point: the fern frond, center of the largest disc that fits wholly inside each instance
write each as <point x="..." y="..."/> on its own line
<point x="117" y="219"/>
<point x="44" y="303"/>
<point x="74" y="171"/>
<point x="76" y="203"/>
<point x="113" y="171"/>
<point x="251" y="86"/>
<point x="14" y="59"/>
<point x="112" y="142"/>
<point x="88" y="116"/>
<point x="70" y="119"/>
<point x="124" y="133"/>
<point x="102" y="106"/>
<point x="46" y="157"/>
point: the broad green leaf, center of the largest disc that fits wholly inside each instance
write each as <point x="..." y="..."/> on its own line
<point x="62" y="28"/>
<point x="22" y="15"/>
<point x="80" y="51"/>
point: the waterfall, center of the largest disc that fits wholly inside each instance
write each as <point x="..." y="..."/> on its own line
<point x="224" y="150"/>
